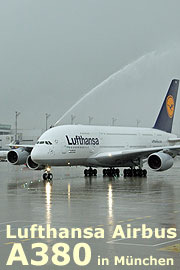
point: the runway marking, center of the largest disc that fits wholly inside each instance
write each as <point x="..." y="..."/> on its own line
<point x="15" y="221"/>
<point x="9" y="222"/>
<point x="9" y="243"/>
<point x="129" y="244"/>
<point x="164" y="243"/>
<point x="145" y="245"/>
<point x="25" y="240"/>
<point x="134" y="219"/>
<point x="173" y="248"/>
<point x="4" y="230"/>
<point x="133" y="244"/>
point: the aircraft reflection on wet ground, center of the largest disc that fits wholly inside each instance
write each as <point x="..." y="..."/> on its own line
<point x="74" y="201"/>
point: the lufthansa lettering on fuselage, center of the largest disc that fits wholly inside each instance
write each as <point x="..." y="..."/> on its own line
<point x="80" y="140"/>
<point x="156" y="141"/>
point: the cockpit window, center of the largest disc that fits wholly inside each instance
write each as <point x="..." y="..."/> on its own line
<point x="44" y="142"/>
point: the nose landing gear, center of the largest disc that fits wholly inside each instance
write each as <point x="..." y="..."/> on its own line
<point x="47" y="175"/>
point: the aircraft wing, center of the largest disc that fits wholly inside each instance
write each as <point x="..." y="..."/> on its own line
<point x="120" y="157"/>
<point x="27" y="147"/>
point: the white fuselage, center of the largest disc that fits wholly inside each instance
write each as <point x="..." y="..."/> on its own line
<point x="73" y="145"/>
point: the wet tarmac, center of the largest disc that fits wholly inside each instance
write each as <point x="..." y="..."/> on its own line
<point x="73" y="201"/>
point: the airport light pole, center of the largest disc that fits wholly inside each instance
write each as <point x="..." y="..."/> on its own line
<point x="113" y="121"/>
<point x="90" y="119"/>
<point x="72" y="119"/>
<point x="47" y="116"/>
<point x="17" y="114"/>
<point x="138" y="122"/>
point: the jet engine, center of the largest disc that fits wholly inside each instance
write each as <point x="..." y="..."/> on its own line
<point x="17" y="156"/>
<point x="32" y="165"/>
<point x="160" y="161"/>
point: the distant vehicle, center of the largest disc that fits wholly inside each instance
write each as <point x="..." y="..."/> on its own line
<point x="106" y="147"/>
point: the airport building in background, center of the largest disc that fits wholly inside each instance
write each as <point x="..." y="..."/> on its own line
<point x="24" y="136"/>
<point x="6" y="136"/>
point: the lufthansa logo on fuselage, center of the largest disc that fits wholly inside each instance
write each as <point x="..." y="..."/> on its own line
<point x="170" y="106"/>
<point x="80" y="140"/>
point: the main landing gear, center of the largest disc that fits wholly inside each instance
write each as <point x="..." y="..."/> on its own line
<point x="132" y="172"/>
<point x="111" y="172"/>
<point x="90" y="172"/>
<point x="47" y="175"/>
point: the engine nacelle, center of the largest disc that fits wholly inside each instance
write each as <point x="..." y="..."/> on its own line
<point x="32" y="165"/>
<point x="160" y="161"/>
<point x="17" y="156"/>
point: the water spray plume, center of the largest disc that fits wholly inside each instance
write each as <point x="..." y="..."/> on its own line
<point x="122" y="71"/>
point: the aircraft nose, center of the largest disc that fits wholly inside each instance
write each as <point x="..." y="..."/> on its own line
<point x="35" y="154"/>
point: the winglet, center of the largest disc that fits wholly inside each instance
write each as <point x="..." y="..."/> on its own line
<point x="165" y="118"/>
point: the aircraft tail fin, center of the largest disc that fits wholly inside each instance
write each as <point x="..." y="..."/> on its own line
<point x="165" y="118"/>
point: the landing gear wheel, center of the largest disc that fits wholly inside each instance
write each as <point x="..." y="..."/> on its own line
<point x="144" y="173"/>
<point x="117" y="172"/>
<point x="86" y="172"/>
<point x="139" y="172"/>
<point x="90" y="172"/>
<point x="135" y="172"/>
<point x="111" y="172"/>
<point x="45" y="176"/>
<point x="104" y="172"/>
<point x="50" y="176"/>
<point x="125" y="172"/>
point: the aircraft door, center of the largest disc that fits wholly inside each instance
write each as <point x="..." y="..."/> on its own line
<point x="93" y="147"/>
<point x="51" y="151"/>
<point x="63" y="147"/>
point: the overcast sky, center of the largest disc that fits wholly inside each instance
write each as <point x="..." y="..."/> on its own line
<point x="54" y="52"/>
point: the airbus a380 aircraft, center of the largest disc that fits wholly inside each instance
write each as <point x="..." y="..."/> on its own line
<point x="105" y="146"/>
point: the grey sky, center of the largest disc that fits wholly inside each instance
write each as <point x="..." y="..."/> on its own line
<point x="54" y="52"/>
